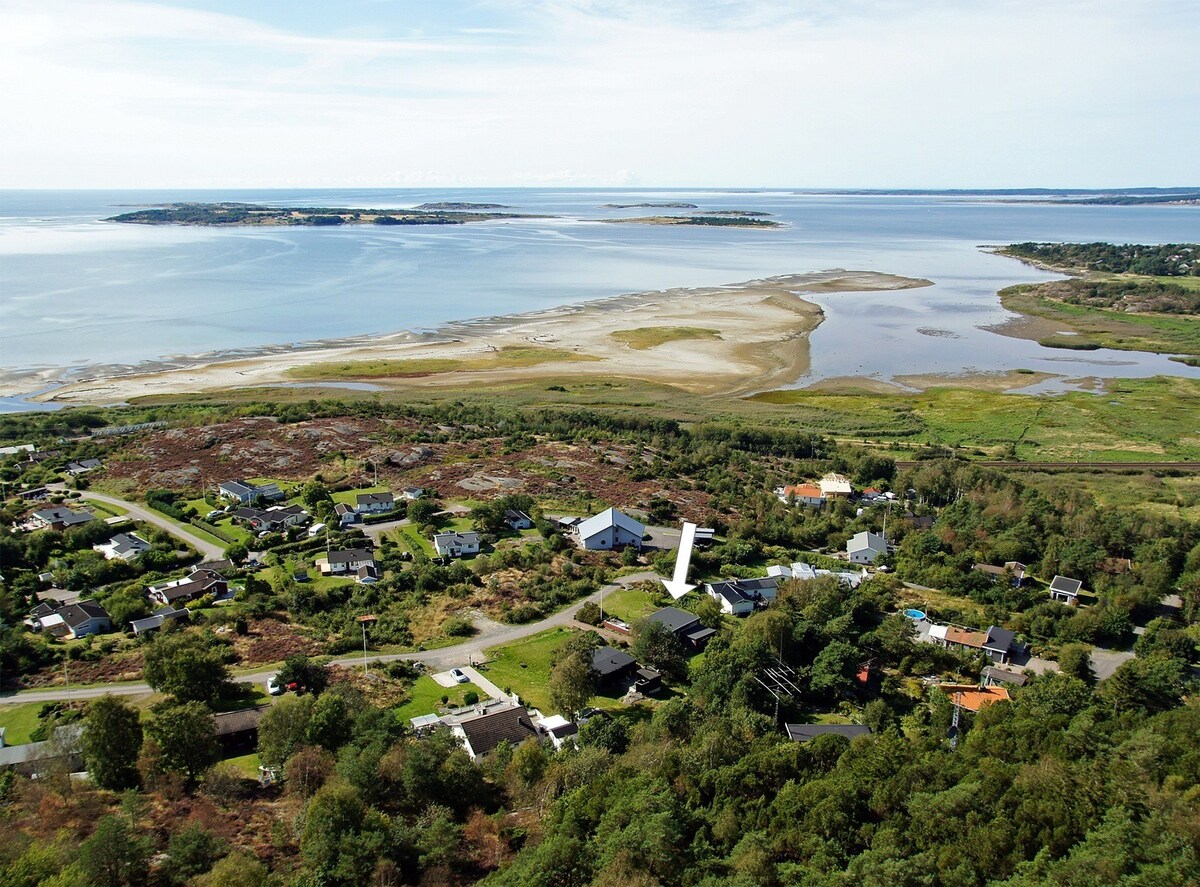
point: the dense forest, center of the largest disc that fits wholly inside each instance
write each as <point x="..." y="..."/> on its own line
<point x="1160" y="260"/>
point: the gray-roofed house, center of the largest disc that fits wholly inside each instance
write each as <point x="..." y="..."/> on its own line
<point x="157" y="619"/>
<point x="1065" y="589"/>
<point x="59" y="518"/>
<point x="198" y="584"/>
<point x="609" y="529"/>
<point x="346" y="515"/>
<point x="123" y="546"/>
<point x="518" y="520"/>
<point x="739" y="597"/>
<point x="482" y="733"/>
<point x="866" y="547"/>
<point x="455" y="544"/>
<point x="367" y="574"/>
<point x="246" y="492"/>
<point x="809" y="732"/>
<point x="993" y="676"/>
<point x="412" y="493"/>
<point x="337" y="563"/>
<point x="76" y="620"/>
<point x="237" y="731"/>
<point x="612" y="666"/>
<point x="83" y="466"/>
<point x="374" y="503"/>
<point x="685" y="626"/>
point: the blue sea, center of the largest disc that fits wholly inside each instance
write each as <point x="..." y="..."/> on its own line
<point x="77" y="293"/>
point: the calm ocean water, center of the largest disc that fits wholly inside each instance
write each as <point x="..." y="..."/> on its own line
<point x="77" y="292"/>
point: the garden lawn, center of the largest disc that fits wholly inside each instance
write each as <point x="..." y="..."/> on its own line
<point x="246" y="765"/>
<point x="19" y="721"/>
<point x="630" y="604"/>
<point x="425" y="698"/>
<point x="350" y="497"/>
<point x="523" y="667"/>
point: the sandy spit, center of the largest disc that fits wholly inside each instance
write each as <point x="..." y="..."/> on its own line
<point x="763" y="328"/>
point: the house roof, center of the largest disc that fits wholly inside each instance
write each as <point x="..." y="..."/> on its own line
<point x="157" y="618"/>
<point x="1004" y="676"/>
<point x="965" y="636"/>
<point x="973" y="698"/>
<point x="484" y="732"/>
<point x="836" y="484"/>
<point x="375" y="499"/>
<point x="610" y="660"/>
<point x="1065" y="585"/>
<point x="999" y="639"/>
<point x="60" y="515"/>
<point x="236" y="488"/>
<point x="84" y="465"/>
<point x="125" y="542"/>
<point x="803" y="491"/>
<point x="227" y="722"/>
<point x="675" y="619"/>
<point x="558" y="726"/>
<point x="513" y="514"/>
<point x="78" y="614"/>
<point x="452" y="538"/>
<point x="189" y="586"/>
<point x="867" y="539"/>
<point x="808" y="732"/>
<point x="610" y="518"/>
<point x="990" y="569"/>
<point x="350" y="555"/>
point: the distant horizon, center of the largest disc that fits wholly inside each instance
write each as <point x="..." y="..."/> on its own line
<point x="798" y="189"/>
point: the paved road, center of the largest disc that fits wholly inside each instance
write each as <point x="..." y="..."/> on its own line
<point x="494" y="634"/>
<point x="207" y="550"/>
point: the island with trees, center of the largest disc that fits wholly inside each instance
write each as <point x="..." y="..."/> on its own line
<point x="249" y="214"/>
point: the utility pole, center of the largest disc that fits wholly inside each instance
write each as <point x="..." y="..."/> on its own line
<point x="364" y="621"/>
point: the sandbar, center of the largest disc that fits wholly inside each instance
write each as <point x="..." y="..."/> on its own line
<point x="761" y="342"/>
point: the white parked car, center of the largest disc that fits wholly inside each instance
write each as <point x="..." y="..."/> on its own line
<point x="459" y="676"/>
<point x="315" y="530"/>
<point x="274" y="687"/>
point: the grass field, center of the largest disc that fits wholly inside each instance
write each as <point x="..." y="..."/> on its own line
<point x="246" y="765"/>
<point x="19" y="721"/>
<point x="425" y="698"/>
<point x="350" y="497"/>
<point x="107" y="508"/>
<point x="511" y="357"/>
<point x="649" y="336"/>
<point x="1096" y="327"/>
<point x="523" y="667"/>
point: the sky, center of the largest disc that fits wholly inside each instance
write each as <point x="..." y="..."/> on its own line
<point x="645" y="93"/>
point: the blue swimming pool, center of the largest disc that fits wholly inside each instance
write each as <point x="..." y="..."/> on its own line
<point x="914" y="614"/>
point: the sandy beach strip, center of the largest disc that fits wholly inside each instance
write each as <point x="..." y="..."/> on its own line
<point x="755" y="337"/>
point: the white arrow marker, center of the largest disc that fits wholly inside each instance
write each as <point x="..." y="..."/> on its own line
<point x="678" y="586"/>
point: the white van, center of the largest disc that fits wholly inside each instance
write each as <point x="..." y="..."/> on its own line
<point x="315" y="530"/>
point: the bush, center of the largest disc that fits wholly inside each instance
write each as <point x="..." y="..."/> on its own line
<point x="470" y="697"/>
<point x="589" y="614"/>
<point x="458" y="627"/>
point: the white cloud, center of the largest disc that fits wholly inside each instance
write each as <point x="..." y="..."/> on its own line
<point x="705" y="92"/>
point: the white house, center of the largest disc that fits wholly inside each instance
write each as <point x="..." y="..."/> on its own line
<point x="1065" y="590"/>
<point x="739" y="597"/>
<point x="609" y="529"/>
<point x="455" y="544"/>
<point x="411" y="493"/>
<point x="123" y="546"/>
<point x="83" y="466"/>
<point x="518" y="520"/>
<point x="866" y="548"/>
<point x="338" y="563"/>
<point x="835" y="486"/>
<point x="374" y="503"/>
<point x="801" y="494"/>
<point x="245" y="492"/>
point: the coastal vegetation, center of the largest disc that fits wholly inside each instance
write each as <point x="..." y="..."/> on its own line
<point x="1166" y="259"/>
<point x="503" y="358"/>
<point x="648" y="337"/>
<point x="230" y="214"/>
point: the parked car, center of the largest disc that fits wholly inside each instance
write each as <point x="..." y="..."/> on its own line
<point x="315" y="530"/>
<point x="459" y="676"/>
<point x="274" y="687"/>
<point x="213" y="514"/>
